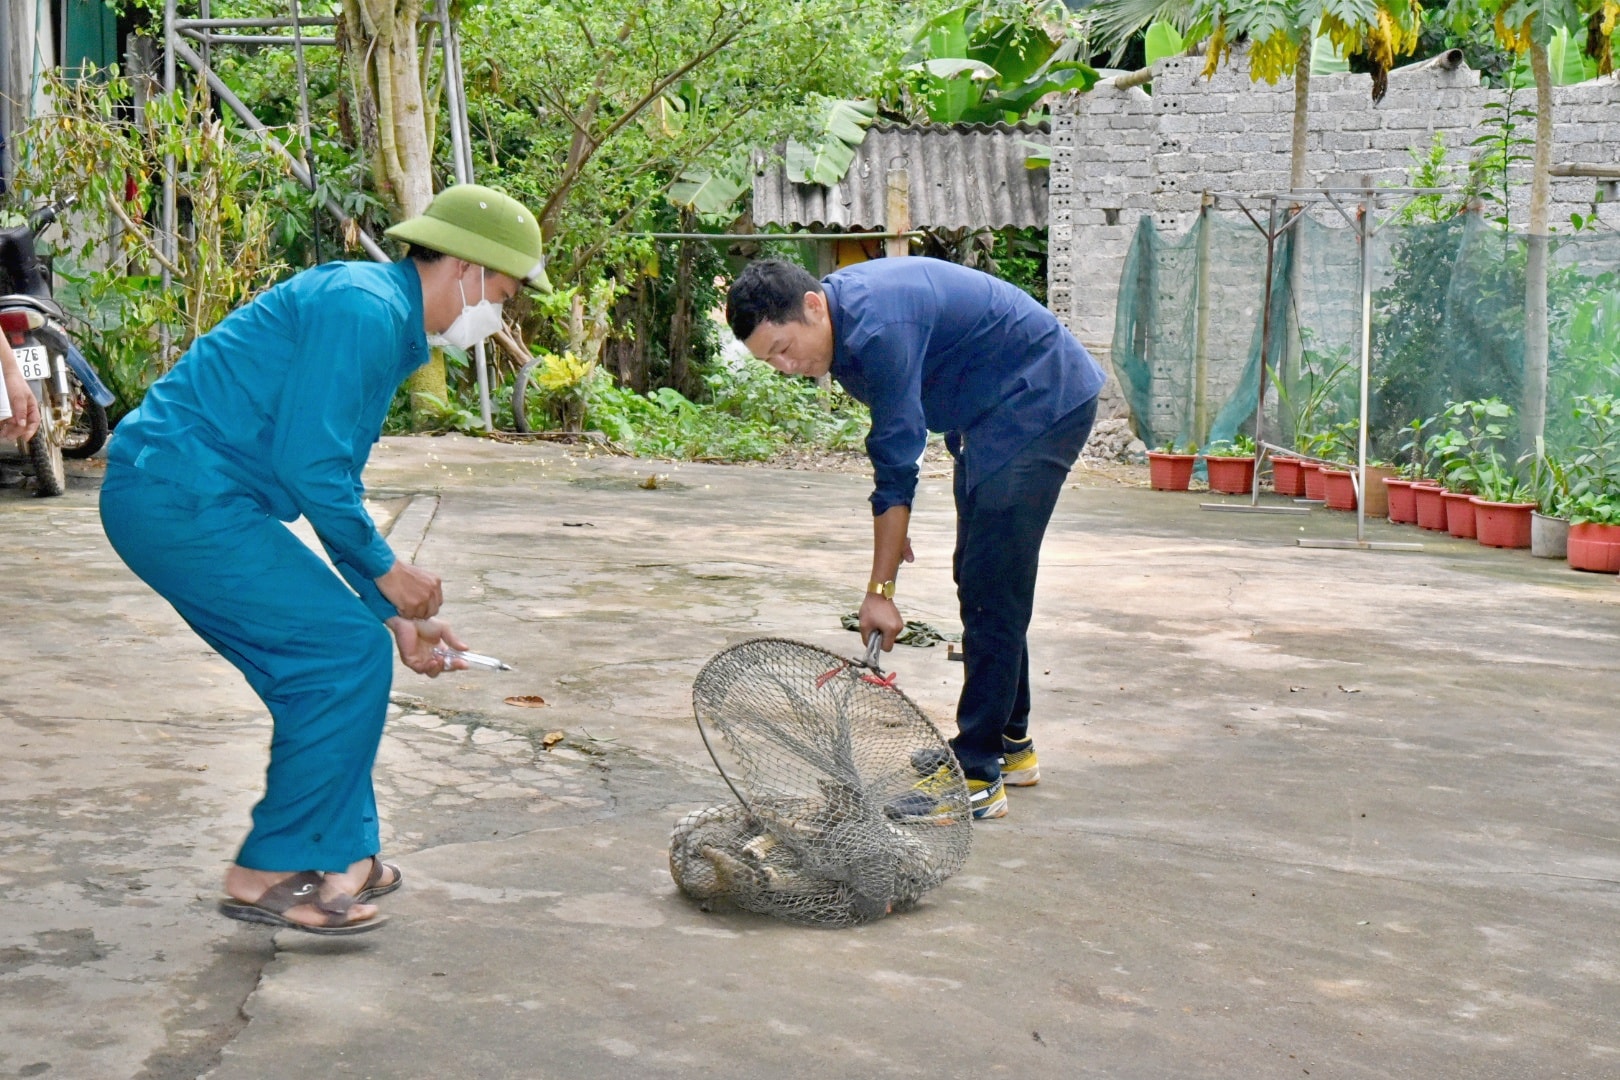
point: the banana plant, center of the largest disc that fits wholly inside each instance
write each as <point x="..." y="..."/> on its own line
<point x="969" y="66"/>
<point x="713" y="193"/>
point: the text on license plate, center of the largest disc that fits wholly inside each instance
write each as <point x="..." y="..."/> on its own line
<point x="33" y="361"/>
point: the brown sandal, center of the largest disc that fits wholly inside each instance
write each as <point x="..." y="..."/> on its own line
<point x="296" y="891"/>
<point x="372" y="888"/>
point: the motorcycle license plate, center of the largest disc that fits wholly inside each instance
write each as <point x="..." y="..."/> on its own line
<point x="35" y="364"/>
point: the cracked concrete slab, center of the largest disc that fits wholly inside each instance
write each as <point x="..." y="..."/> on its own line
<point x="1303" y="811"/>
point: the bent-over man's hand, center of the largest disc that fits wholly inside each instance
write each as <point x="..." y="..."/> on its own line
<point x="417" y="640"/>
<point x="880" y="614"/>
<point x="414" y="592"/>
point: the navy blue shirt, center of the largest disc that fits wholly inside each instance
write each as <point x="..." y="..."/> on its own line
<point x="932" y="346"/>
<point x="283" y="400"/>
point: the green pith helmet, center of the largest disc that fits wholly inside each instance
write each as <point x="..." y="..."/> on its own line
<point x="483" y="226"/>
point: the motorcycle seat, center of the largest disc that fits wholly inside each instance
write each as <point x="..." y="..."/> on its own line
<point x="43" y="305"/>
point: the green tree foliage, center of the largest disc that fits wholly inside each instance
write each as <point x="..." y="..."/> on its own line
<point x="983" y="63"/>
<point x="594" y="112"/>
<point x="1528" y="27"/>
<point x="93" y="148"/>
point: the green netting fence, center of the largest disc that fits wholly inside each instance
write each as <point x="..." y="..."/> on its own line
<point x="1448" y="325"/>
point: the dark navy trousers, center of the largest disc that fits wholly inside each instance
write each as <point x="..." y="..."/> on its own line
<point x="999" y="528"/>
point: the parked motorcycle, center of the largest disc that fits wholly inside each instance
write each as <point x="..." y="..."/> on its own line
<point x="72" y="398"/>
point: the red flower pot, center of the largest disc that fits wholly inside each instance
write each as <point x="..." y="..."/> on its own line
<point x="1230" y="475"/>
<point x="1402" y="501"/>
<point x="1595" y="547"/>
<point x="1431" y="506"/>
<point x="1315" y="486"/>
<point x="1459" y="514"/>
<point x="1170" y="472"/>
<point x="1340" y="489"/>
<point x="1502" y="525"/>
<point x="1286" y="479"/>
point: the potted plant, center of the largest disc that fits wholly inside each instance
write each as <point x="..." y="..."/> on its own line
<point x="1310" y="400"/>
<point x="1500" y="501"/>
<point x="1549" y="486"/>
<point x="1594" y="532"/>
<point x="1594" y="491"/>
<point x="1286" y="477"/>
<point x="1398" y="486"/>
<point x="1429" y="499"/>
<point x="1337" y="444"/>
<point x="1170" y="469"/>
<point x="1310" y="474"/>
<point x="1231" y="465"/>
<point x="1312" y="448"/>
<point x="1464" y="451"/>
<point x="1502" y="507"/>
<point x="1428" y="493"/>
<point x="1448" y="451"/>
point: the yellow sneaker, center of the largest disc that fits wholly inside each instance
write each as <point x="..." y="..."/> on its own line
<point x="1019" y="767"/>
<point x="929" y="798"/>
<point x="988" y="798"/>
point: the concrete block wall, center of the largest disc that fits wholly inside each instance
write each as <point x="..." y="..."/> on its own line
<point x="1120" y="155"/>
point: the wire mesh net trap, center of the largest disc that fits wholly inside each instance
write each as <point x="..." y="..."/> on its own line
<point x="849" y="806"/>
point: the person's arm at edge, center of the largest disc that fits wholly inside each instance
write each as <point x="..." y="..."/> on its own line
<point x="24" y="419"/>
<point x="899" y="436"/>
<point x="889" y="546"/>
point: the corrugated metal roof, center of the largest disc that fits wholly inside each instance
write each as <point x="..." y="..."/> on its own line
<point x="962" y="176"/>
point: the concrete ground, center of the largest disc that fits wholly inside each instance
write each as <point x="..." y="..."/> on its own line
<point x="1304" y="812"/>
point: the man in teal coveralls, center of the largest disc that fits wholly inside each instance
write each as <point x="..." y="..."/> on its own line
<point x="271" y="415"/>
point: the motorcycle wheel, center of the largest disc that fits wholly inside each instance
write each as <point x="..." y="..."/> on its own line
<point x="50" y="473"/>
<point x="89" y="431"/>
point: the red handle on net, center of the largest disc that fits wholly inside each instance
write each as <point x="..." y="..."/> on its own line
<point x="875" y="676"/>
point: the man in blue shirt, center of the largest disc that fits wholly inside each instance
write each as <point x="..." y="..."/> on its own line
<point x="272" y="415"/>
<point x="932" y="346"/>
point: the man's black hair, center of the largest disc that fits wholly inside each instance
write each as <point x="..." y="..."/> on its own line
<point x="423" y="255"/>
<point x="770" y="290"/>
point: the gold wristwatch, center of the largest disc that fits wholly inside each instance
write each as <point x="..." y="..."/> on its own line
<point x="884" y="589"/>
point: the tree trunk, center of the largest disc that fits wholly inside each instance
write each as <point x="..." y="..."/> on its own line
<point x="630" y="351"/>
<point x="680" y="323"/>
<point x="386" y="65"/>
<point x="1298" y="175"/>
<point x="642" y="377"/>
<point x="1533" y="415"/>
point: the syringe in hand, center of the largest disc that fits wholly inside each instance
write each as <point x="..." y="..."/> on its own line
<point x="471" y="659"/>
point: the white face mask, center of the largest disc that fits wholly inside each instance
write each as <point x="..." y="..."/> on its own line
<point x="475" y="323"/>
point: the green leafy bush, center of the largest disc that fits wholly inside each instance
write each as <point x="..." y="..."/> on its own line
<point x="752" y="414"/>
<point x="1239" y="446"/>
<point x="1468" y="451"/>
<point x="1594" y="488"/>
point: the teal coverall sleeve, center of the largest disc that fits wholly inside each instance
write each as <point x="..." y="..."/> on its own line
<point x="370" y="595"/>
<point x="346" y="351"/>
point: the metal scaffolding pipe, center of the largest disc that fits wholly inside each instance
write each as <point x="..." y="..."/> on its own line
<point x="453" y="91"/>
<point x="253" y="24"/>
<point x="303" y="125"/>
<point x="215" y="83"/>
<point x="168" y="244"/>
<point x="254" y="39"/>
